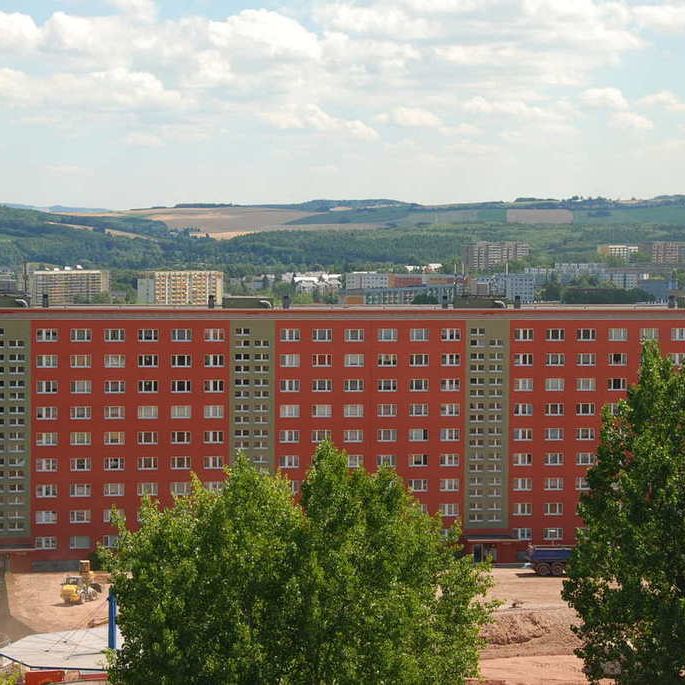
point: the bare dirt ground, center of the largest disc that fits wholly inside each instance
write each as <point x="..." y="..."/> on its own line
<point x="35" y="602"/>
<point x="530" y="640"/>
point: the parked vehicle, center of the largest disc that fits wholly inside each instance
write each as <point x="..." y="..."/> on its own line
<point x="549" y="560"/>
<point x="81" y="588"/>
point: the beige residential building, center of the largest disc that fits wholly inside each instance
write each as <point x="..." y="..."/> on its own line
<point x="177" y="288"/>
<point x="484" y="255"/>
<point x="68" y="285"/>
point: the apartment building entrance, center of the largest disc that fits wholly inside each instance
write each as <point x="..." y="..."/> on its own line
<point x="484" y="551"/>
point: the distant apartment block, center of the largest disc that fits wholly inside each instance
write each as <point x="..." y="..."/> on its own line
<point x="618" y="251"/>
<point x="178" y="288"/>
<point x="513" y="286"/>
<point x="484" y="255"/>
<point x="365" y="280"/>
<point x="8" y="281"/>
<point x="69" y="285"/>
<point x="666" y="252"/>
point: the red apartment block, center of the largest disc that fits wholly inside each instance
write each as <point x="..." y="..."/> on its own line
<point x="492" y="417"/>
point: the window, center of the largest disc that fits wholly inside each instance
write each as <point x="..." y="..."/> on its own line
<point x="554" y="459"/>
<point x="322" y="334"/>
<point x="523" y="359"/>
<point x="353" y="435"/>
<point x="148" y="386"/>
<point x="320" y="411"/>
<point x="115" y="438"/>
<point x="148" y="489"/>
<point x="178" y="361"/>
<point x="114" y="361"/>
<point x="385" y="410"/>
<point x="554" y="483"/>
<point x="387" y="335"/>
<point x="523" y="434"/>
<point x="113" y="489"/>
<point x="179" y="438"/>
<point x="148" y="335"/>
<point x="618" y="359"/>
<point x="181" y="411"/>
<point x="418" y="434"/>
<point x="418" y="484"/>
<point x="213" y="462"/>
<point x="418" y="385"/>
<point x="555" y="334"/>
<point x="386" y="460"/>
<point x="523" y="533"/>
<point x="354" y="360"/>
<point x="449" y="409"/>
<point x="618" y="334"/>
<point x="521" y="334"/>
<point x="46" y="335"/>
<point x="289" y="411"/>
<point x="214" y="361"/>
<point x="213" y="437"/>
<point x="450" y="334"/>
<point x="185" y="386"/>
<point x="649" y="334"/>
<point x="586" y="384"/>
<point x="449" y="484"/>
<point x="115" y="387"/>
<point x="148" y="412"/>
<point x="180" y="463"/>
<point x="115" y="335"/>
<point x="289" y="436"/>
<point x="83" y="387"/>
<point x="148" y="463"/>
<point x="114" y="412"/>
<point x="523" y="484"/>
<point x="585" y="434"/>
<point x="46" y="517"/>
<point x="554" y="409"/>
<point x="418" y="360"/>
<point x="418" y="410"/>
<point x="214" y="334"/>
<point x="320" y="435"/>
<point x="80" y="413"/>
<point x="523" y="384"/>
<point x="586" y="334"/>
<point x="46" y="439"/>
<point x="148" y="437"/>
<point x="354" y="335"/>
<point x="522" y="509"/>
<point x="322" y="385"/>
<point x="290" y="361"/>
<point x="522" y="459"/>
<point x="290" y="385"/>
<point x="585" y="459"/>
<point x="46" y="413"/>
<point x="450" y="359"/>
<point x="289" y="461"/>
<point x="387" y="360"/>
<point x="46" y="387"/>
<point x="114" y="463"/>
<point x="582" y="483"/>
<point x="353" y="411"/>
<point x="587" y="359"/>
<point x="81" y="335"/>
<point x="387" y="435"/>
<point x="46" y="491"/>
<point x="387" y="385"/>
<point x="617" y="383"/>
<point x="418" y="335"/>
<point x="449" y="460"/>
<point x="549" y="534"/>
<point x="290" y="335"/>
<point x="181" y="334"/>
<point x="79" y="516"/>
<point x="585" y="409"/>
<point x="79" y="490"/>
<point x="523" y="410"/>
<point x="450" y="384"/>
<point x="554" y="433"/>
<point x="416" y="460"/>
<point x="555" y="359"/>
<point x="46" y="361"/>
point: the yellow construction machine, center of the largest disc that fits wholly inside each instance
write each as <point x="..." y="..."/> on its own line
<point x="80" y="588"/>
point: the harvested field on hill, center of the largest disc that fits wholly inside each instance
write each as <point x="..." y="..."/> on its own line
<point x="539" y="216"/>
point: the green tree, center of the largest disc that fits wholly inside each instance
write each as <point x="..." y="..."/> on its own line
<point x="355" y="584"/>
<point x="627" y="573"/>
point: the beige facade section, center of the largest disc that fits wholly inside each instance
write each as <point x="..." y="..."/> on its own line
<point x="178" y="288"/>
<point x="67" y="286"/>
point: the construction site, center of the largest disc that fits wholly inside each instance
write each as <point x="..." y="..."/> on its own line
<point x="529" y="643"/>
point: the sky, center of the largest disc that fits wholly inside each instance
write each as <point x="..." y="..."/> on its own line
<point x="130" y="103"/>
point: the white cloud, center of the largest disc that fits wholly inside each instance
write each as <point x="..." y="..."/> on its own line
<point x="18" y="32"/>
<point x="604" y="98"/>
<point x="65" y="170"/>
<point x="376" y="20"/>
<point x="413" y="117"/>
<point x="140" y="9"/>
<point x="314" y="118"/>
<point x="666" y="17"/>
<point x="631" y="121"/>
<point x="665" y="99"/>
<point x="140" y="139"/>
